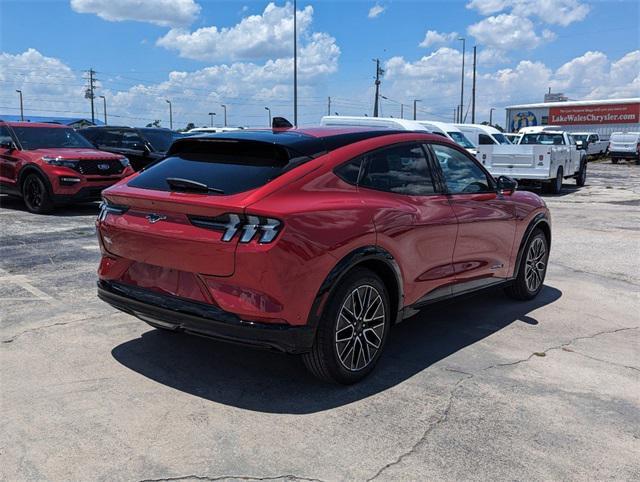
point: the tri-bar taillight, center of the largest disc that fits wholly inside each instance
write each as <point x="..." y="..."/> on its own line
<point x="246" y="226"/>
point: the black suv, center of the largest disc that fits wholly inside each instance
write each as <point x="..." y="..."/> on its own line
<point x="142" y="146"/>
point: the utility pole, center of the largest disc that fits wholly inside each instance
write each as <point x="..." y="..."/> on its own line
<point x="329" y="106"/>
<point x="455" y="114"/>
<point x="415" y="108"/>
<point x="104" y="104"/>
<point x="211" y="114"/>
<point x="21" y="109"/>
<point x="89" y="93"/>
<point x="295" y="63"/>
<point x="269" y="110"/>
<point x="170" y="114"/>
<point x="379" y="72"/>
<point x="401" y="110"/>
<point x="462" y="80"/>
<point x="473" y="91"/>
<point x="225" y="114"/>
<point x="491" y="116"/>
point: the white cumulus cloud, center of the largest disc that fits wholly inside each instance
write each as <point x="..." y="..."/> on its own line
<point x="557" y="12"/>
<point x="166" y="13"/>
<point x="376" y="11"/>
<point x="433" y="37"/>
<point x="508" y="32"/>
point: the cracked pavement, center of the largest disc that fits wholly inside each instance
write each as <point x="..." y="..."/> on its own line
<point x="484" y="388"/>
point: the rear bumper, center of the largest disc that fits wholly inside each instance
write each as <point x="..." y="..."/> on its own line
<point x="203" y="319"/>
<point x="624" y="154"/>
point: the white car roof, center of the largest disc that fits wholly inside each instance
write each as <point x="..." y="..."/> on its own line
<point x="486" y="129"/>
<point x="384" y="122"/>
<point x="443" y="126"/>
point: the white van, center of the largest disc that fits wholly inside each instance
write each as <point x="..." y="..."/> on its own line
<point x="481" y="135"/>
<point x="212" y="130"/>
<point x="446" y="130"/>
<point x="450" y="131"/>
<point x="624" y="145"/>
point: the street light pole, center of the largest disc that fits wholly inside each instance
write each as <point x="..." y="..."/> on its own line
<point x="269" y="110"/>
<point x="225" y="114"/>
<point x="415" y="108"/>
<point x="295" y="63"/>
<point x="21" y="109"/>
<point x="491" y="116"/>
<point x="170" y="114"/>
<point x="211" y="114"/>
<point x="401" y="110"/>
<point x="104" y="105"/>
<point x="462" y="80"/>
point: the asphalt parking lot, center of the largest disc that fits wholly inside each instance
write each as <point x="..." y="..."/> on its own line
<point x="484" y="388"/>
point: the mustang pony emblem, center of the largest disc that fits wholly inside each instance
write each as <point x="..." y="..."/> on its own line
<point x="154" y="218"/>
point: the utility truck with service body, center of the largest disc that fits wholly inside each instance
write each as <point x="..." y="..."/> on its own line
<point x="546" y="157"/>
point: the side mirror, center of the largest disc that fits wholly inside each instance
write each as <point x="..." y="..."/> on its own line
<point x="580" y="145"/>
<point x="507" y="185"/>
<point x="9" y="145"/>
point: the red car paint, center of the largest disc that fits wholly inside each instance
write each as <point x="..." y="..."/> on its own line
<point x="16" y="163"/>
<point x="439" y="242"/>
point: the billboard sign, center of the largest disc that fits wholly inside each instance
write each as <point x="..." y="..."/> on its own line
<point x="595" y="114"/>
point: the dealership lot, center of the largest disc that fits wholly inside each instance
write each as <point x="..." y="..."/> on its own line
<point x="483" y="388"/>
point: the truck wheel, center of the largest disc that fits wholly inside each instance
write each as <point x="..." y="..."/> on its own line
<point x="532" y="269"/>
<point x="556" y="184"/>
<point x="581" y="178"/>
<point x="614" y="160"/>
<point x="352" y="331"/>
<point x="36" y="195"/>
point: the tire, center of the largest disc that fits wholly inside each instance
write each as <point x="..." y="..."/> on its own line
<point x="532" y="269"/>
<point x="555" y="187"/>
<point x="347" y="347"/>
<point x="614" y="160"/>
<point x="581" y="178"/>
<point x="36" y="195"/>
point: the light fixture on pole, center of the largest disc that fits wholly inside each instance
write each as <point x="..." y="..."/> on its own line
<point x="225" y="114"/>
<point x="462" y="80"/>
<point x="21" y="109"/>
<point x="104" y="105"/>
<point x="268" y="110"/>
<point x="211" y="114"/>
<point x="170" y="114"/>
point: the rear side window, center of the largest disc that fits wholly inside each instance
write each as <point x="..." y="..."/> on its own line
<point x="401" y="169"/>
<point x="350" y="172"/>
<point x="225" y="166"/>
<point x="5" y="137"/>
<point x="484" y="139"/>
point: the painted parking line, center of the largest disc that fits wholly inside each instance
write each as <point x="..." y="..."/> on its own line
<point x="25" y="283"/>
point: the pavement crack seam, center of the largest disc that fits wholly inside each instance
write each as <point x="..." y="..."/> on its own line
<point x="630" y="367"/>
<point x="443" y="418"/>
<point x="38" y="328"/>
<point x="558" y="347"/>
<point x="236" y="477"/>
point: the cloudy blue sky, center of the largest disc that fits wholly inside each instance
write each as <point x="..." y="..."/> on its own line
<point x="203" y="53"/>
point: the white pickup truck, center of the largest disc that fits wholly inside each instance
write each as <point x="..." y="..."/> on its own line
<point x="546" y="157"/>
<point x="595" y="146"/>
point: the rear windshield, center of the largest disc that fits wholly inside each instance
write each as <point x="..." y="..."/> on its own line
<point x="460" y="138"/>
<point x="625" y="138"/>
<point x="543" y="138"/>
<point x="32" y="138"/>
<point x="224" y="166"/>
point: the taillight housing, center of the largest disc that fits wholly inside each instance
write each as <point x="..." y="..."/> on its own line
<point x="107" y="208"/>
<point x="247" y="226"/>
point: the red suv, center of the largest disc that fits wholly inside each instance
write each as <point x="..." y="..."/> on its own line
<point x="314" y="241"/>
<point x="49" y="165"/>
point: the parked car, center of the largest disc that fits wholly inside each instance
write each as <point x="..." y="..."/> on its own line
<point x="440" y="128"/>
<point x="48" y="165"/>
<point x="595" y="146"/>
<point x="212" y="130"/>
<point x="546" y="157"/>
<point x="314" y="241"/>
<point x="481" y="134"/>
<point x="624" y="145"/>
<point x="142" y="145"/>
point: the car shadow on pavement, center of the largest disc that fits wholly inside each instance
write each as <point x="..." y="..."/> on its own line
<point x="264" y="381"/>
<point x="81" y="209"/>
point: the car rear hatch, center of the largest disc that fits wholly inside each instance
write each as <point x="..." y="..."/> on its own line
<point x="623" y="143"/>
<point x="185" y="212"/>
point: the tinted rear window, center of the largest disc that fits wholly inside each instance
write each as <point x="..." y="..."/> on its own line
<point x="227" y="165"/>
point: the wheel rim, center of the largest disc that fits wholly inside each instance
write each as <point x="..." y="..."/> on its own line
<point x="33" y="194"/>
<point x="360" y="328"/>
<point x="536" y="264"/>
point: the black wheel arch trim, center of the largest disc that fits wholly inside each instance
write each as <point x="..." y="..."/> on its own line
<point x="26" y="170"/>
<point x="538" y="220"/>
<point x="355" y="258"/>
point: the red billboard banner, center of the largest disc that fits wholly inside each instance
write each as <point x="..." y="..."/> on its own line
<point x="595" y="114"/>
